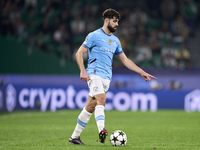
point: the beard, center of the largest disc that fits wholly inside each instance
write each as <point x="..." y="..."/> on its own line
<point x="110" y="28"/>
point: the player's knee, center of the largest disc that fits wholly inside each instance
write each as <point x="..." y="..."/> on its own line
<point x="90" y="109"/>
<point x="101" y="100"/>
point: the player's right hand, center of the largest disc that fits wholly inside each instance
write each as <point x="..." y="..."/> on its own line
<point x="84" y="76"/>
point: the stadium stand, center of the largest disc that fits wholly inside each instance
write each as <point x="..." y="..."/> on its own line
<point x="151" y="32"/>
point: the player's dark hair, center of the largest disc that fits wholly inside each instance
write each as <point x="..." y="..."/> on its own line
<point x="110" y="13"/>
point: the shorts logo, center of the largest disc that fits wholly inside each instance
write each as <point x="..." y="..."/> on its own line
<point x="95" y="89"/>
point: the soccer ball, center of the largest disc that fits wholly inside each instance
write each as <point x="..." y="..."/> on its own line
<point x="118" y="138"/>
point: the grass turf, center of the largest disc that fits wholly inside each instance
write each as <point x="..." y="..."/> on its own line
<point x="162" y="130"/>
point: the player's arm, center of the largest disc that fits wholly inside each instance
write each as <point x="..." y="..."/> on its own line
<point x="132" y="66"/>
<point x="79" y="59"/>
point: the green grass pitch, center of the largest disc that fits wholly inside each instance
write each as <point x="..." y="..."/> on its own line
<point x="161" y="130"/>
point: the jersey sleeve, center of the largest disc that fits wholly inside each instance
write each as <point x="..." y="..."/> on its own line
<point x="119" y="48"/>
<point x="89" y="41"/>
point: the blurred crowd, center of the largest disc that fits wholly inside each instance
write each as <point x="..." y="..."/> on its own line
<point x="153" y="33"/>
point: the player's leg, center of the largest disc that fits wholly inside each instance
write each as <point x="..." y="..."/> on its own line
<point x="98" y="87"/>
<point x="91" y="104"/>
<point x="100" y="116"/>
<point x="96" y="101"/>
<point x="99" y="111"/>
<point x="82" y="121"/>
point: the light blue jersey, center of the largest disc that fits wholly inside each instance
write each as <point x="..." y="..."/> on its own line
<point x="101" y="48"/>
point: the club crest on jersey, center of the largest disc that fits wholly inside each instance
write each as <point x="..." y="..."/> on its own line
<point x="95" y="89"/>
<point x="109" y="41"/>
<point x="114" y="43"/>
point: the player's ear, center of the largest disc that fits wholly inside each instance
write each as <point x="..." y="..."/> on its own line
<point x="106" y="21"/>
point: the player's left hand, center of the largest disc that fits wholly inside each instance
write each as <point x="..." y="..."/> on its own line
<point x="147" y="76"/>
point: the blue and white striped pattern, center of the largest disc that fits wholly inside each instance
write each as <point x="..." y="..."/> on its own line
<point x="81" y="123"/>
<point x="100" y="118"/>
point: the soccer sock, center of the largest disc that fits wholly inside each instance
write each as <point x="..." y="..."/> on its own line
<point x="82" y="121"/>
<point x="100" y="117"/>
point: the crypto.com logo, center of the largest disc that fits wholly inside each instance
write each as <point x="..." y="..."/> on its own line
<point x="192" y="101"/>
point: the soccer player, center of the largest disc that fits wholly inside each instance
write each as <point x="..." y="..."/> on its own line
<point x="101" y="46"/>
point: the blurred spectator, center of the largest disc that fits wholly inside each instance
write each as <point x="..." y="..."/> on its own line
<point x="58" y="26"/>
<point x="180" y="29"/>
<point x="138" y="14"/>
<point x="132" y="56"/>
<point x="78" y="25"/>
<point x="144" y="55"/>
<point x="46" y="9"/>
<point x="140" y="27"/>
<point x="15" y="14"/>
<point x="67" y="52"/>
<point x="168" y="56"/>
<point x="127" y="28"/>
<point x="20" y="28"/>
<point x="168" y="9"/>
<point x="91" y="25"/>
<point x="76" y="8"/>
<point x="91" y="9"/>
<point x="175" y="85"/>
<point x="40" y="42"/>
<point x="31" y="42"/>
<point x="32" y="19"/>
<point x="165" y="34"/>
<point x="154" y="42"/>
<point x="67" y="38"/>
<point x="155" y="85"/>
<point x="45" y="27"/>
<point x="141" y="38"/>
<point x="183" y="56"/>
<point x="64" y="52"/>
<point x="155" y="46"/>
<point x="66" y="19"/>
<point x="189" y="10"/>
<point x="31" y="2"/>
<point x="56" y="23"/>
<point x="58" y="35"/>
<point x="131" y="43"/>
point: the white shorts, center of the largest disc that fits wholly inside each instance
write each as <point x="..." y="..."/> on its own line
<point x="98" y="85"/>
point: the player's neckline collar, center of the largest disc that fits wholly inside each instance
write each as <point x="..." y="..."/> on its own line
<point x="105" y="32"/>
